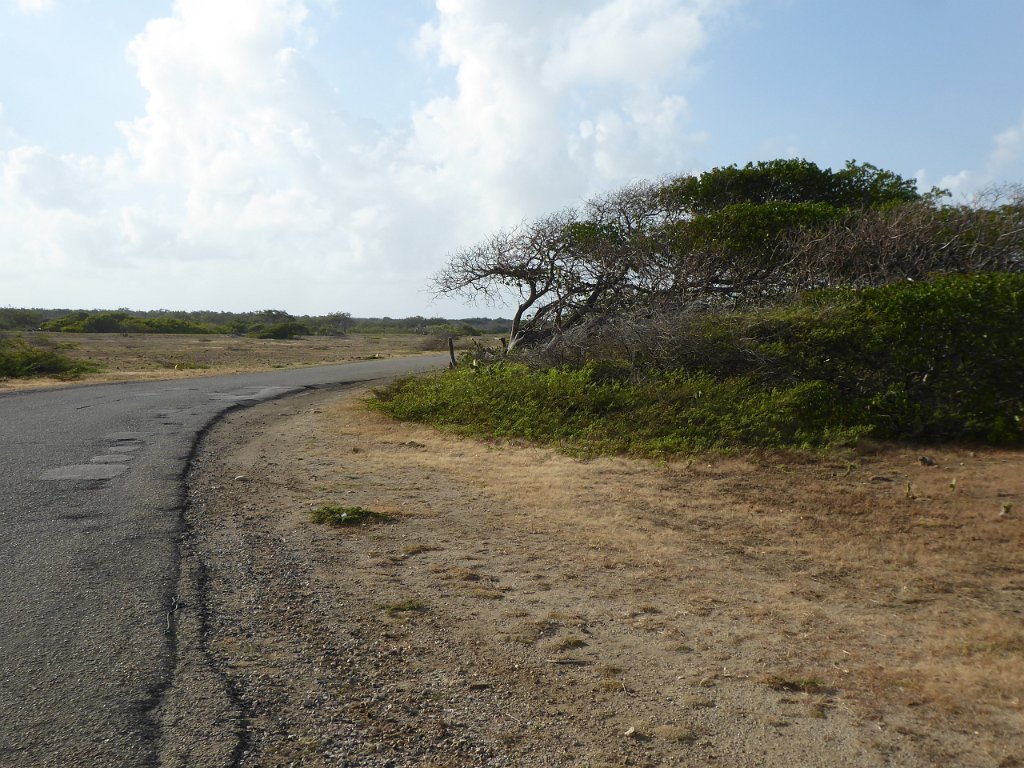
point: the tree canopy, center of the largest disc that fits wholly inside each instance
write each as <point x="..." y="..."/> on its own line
<point x="731" y="234"/>
<point x="789" y="181"/>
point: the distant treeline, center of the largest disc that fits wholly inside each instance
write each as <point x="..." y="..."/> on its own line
<point x="268" y="323"/>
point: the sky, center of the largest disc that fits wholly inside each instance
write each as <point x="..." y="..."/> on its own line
<point x="325" y="156"/>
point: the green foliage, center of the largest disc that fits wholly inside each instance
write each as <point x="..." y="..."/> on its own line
<point x="20" y="360"/>
<point x="20" y="319"/>
<point x="123" y="322"/>
<point x="746" y="236"/>
<point x="288" y="330"/>
<point x="923" y="361"/>
<point x="336" y="516"/>
<point x="732" y="232"/>
<point x="454" y="330"/>
<point x="928" y="360"/>
<point x="241" y="323"/>
<point x="585" y="414"/>
<point x="788" y="181"/>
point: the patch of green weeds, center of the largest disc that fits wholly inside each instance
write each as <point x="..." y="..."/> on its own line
<point x="21" y="360"/>
<point x="405" y="606"/>
<point x="336" y="516"/>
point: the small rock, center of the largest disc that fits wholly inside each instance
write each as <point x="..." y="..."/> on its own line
<point x="630" y="732"/>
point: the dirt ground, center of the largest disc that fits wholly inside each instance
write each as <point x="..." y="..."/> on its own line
<point x="522" y="608"/>
<point x="148" y="356"/>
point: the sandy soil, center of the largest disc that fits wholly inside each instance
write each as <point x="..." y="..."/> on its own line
<point x="525" y="608"/>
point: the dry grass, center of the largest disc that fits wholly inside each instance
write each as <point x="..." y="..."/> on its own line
<point x="799" y="607"/>
<point x="819" y="575"/>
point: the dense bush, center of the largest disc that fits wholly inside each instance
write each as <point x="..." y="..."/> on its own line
<point x="124" y="322"/>
<point x="20" y="360"/>
<point x="12" y="319"/>
<point x="937" y="359"/>
<point x="923" y="361"/>
<point x="287" y="330"/>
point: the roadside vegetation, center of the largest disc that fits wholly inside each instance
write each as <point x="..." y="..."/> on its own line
<point x="20" y="360"/>
<point x="773" y="305"/>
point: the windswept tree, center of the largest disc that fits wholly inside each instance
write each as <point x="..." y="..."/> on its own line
<point x="521" y="265"/>
<point x="754" y="234"/>
<point x="558" y="269"/>
<point x="729" y="231"/>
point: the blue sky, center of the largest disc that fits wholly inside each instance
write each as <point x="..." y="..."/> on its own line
<point x="326" y="155"/>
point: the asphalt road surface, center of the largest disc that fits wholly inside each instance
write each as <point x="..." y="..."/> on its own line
<point x="91" y="497"/>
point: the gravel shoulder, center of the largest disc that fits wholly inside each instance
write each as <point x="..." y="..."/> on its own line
<point x="524" y="608"/>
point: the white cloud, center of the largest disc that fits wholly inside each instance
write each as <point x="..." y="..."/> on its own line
<point x="1003" y="164"/>
<point x="626" y="41"/>
<point x="244" y="170"/>
<point x="957" y="184"/>
<point x="36" y="7"/>
<point x="1007" y="150"/>
<point x="556" y="100"/>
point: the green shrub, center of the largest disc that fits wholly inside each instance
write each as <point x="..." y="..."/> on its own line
<point x="19" y="360"/>
<point x="287" y="330"/>
<point x="923" y="361"/>
<point x="123" y="322"/>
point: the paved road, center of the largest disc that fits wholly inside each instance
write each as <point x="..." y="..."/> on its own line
<point x="91" y="496"/>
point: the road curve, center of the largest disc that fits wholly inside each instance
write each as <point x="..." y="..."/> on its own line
<point x="92" y="491"/>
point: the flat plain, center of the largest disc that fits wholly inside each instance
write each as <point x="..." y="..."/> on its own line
<point x="142" y="357"/>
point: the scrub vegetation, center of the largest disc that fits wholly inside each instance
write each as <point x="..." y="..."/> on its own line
<point x="21" y="360"/>
<point x="772" y="305"/>
<point x="264" y="324"/>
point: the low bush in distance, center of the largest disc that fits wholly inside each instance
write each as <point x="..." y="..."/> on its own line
<point x="289" y="330"/>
